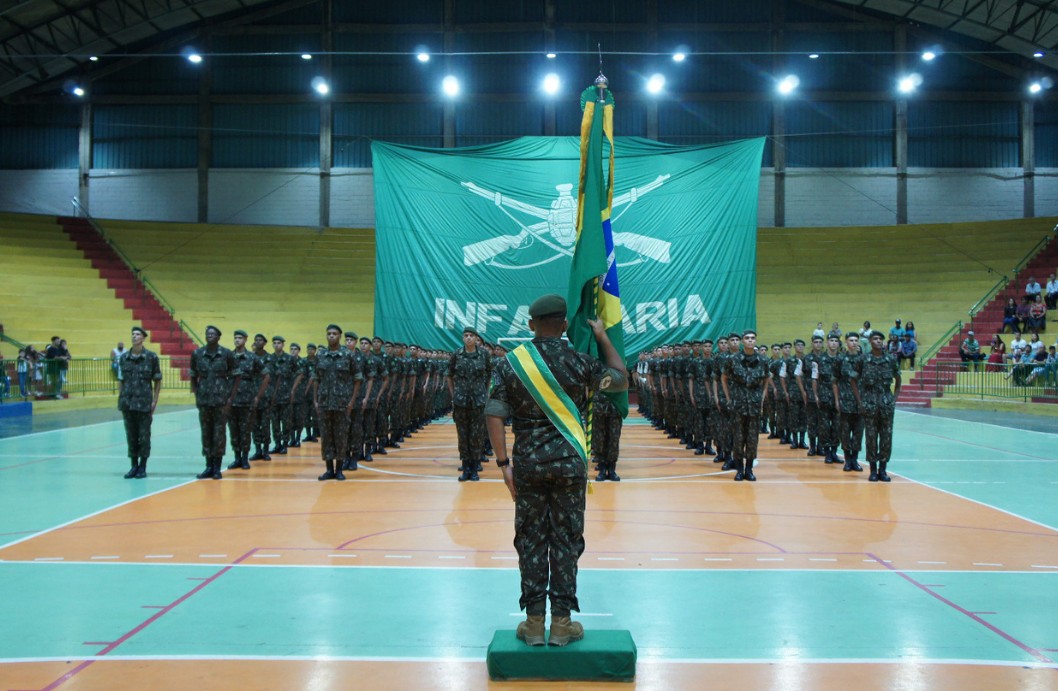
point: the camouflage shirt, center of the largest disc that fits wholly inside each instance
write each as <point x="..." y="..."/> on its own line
<point x="335" y="377"/>
<point x="304" y="390"/>
<point x="536" y="439"/>
<point x="249" y="367"/>
<point x="876" y="378"/>
<point x="719" y="364"/>
<point x="847" y="368"/>
<point x="138" y="372"/>
<point x="284" y="371"/>
<point x="703" y="375"/>
<point x="746" y="377"/>
<point x="810" y="372"/>
<point x="470" y="373"/>
<point x="213" y="373"/>
<point x="266" y="368"/>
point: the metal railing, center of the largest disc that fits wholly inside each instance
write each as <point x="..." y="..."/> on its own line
<point x="79" y="210"/>
<point x="84" y="376"/>
<point x="941" y="342"/>
<point x="986" y="380"/>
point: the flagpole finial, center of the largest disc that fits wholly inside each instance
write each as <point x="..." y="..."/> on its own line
<point x="601" y="84"/>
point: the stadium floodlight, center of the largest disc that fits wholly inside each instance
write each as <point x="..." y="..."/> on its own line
<point x="78" y="92"/>
<point x="656" y="83"/>
<point x="422" y="56"/>
<point x="94" y="58"/>
<point x="1035" y="88"/>
<point x="552" y="56"/>
<point x="908" y="83"/>
<point x="450" y="86"/>
<point x="551" y="84"/>
<point x="813" y="56"/>
<point x="1038" y="54"/>
<point x="306" y="56"/>
<point x="320" y="86"/>
<point x="788" y="84"/>
<point x="194" y="58"/>
<point x="929" y="56"/>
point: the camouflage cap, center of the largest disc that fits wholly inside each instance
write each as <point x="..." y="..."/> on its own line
<point x="240" y="332"/>
<point x="547" y="306"/>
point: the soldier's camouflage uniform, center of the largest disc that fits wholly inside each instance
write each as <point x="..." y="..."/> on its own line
<point x="795" y="406"/>
<point x="262" y="415"/>
<point x="213" y="373"/>
<point x="356" y="417"/>
<point x="470" y="373"/>
<point x="385" y="399"/>
<point x="828" y="423"/>
<point x="746" y="377"/>
<point x="284" y="371"/>
<point x="703" y="401"/>
<point x="374" y="372"/>
<point x="810" y="373"/>
<point x="549" y="475"/>
<point x="851" y="430"/>
<point x="779" y="412"/>
<point x="606" y="432"/>
<point x="301" y="406"/>
<point x="767" y="414"/>
<point x="137" y="375"/>
<point x="240" y="421"/>
<point x="876" y="378"/>
<point x="334" y="381"/>
<point x="723" y="429"/>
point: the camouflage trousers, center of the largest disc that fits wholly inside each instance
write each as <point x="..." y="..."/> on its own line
<point x="382" y="419"/>
<point x="643" y="396"/>
<point x="746" y="430"/>
<point x="213" y="421"/>
<point x="768" y="411"/>
<point x="138" y="433"/>
<point x="722" y="428"/>
<point x="334" y="434"/>
<point x="780" y="416"/>
<point x="368" y="417"/>
<point x="240" y="428"/>
<point x="879" y="430"/>
<point x="827" y="425"/>
<point x="261" y="425"/>
<point x="468" y="421"/>
<point x="549" y="532"/>
<point x="851" y="432"/>
<point x="700" y="429"/>
<point x="282" y="422"/>
<point x="812" y="421"/>
<point x="300" y="410"/>
<point x="309" y="421"/>
<point x="355" y="437"/>
<point x="795" y="413"/>
<point x="606" y="437"/>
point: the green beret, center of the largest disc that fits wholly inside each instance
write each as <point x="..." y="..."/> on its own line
<point x="311" y="345"/>
<point x="219" y="332"/>
<point x="295" y="345"/>
<point x="240" y="332"/>
<point x="547" y="306"/>
<point x="139" y="329"/>
<point x="798" y="341"/>
<point x="261" y="336"/>
<point x="468" y="330"/>
<point x="350" y="334"/>
<point x="279" y="338"/>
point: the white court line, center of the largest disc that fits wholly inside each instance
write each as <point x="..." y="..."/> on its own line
<point x="821" y="559"/>
<point x="106" y="557"/>
<point x="398" y="556"/>
<point x="979" y="503"/>
<point x="94" y="513"/>
<point x="981" y="563"/>
<point x="212" y="556"/>
<point x="1043" y="566"/>
<point x="49" y="559"/>
<point x="341" y="556"/>
<point x="452" y="556"/>
<point x="266" y="556"/>
<point x="664" y="559"/>
<point x="157" y="556"/>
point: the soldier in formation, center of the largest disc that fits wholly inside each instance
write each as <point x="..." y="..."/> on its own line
<point x="468" y="375"/>
<point x="140" y="383"/>
<point x="214" y="378"/>
<point x="252" y="385"/>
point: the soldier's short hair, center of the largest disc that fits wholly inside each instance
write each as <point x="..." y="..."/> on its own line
<point x="139" y="329"/>
<point x="311" y="346"/>
<point x="295" y="345"/>
<point x="239" y="332"/>
<point x="733" y="335"/>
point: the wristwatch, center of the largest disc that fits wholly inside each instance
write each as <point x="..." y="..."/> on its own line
<point x="504" y="463"/>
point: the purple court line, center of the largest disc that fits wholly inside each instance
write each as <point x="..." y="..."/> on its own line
<point x="150" y="620"/>
<point x="775" y="547"/>
<point x="991" y="627"/>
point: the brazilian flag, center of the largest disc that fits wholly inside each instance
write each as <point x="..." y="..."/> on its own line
<point x="593" y="289"/>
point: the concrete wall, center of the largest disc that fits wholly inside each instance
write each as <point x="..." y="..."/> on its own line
<point x="814" y="197"/>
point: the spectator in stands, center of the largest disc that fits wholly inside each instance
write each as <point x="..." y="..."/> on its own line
<point x="51" y="367"/>
<point x="970" y="351"/>
<point x="1021" y="367"/>
<point x="22" y="368"/>
<point x="1032" y="289"/>
<point x="892" y="346"/>
<point x="1035" y="344"/>
<point x="1010" y="316"/>
<point x="1018" y="345"/>
<point x="998" y="356"/>
<point x="819" y="332"/>
<point x="897" y="331"/>
<point x="64" y="365"/>
<point x="1023" y="316"/>
<point x="115" y="355"/>
<point x="835" y="331"/>
<point x="866" y="330"/>
<point x="909" y="330"/>
<point x="1052" y="292"/>
<point x="908" y="350"/>
<point x="1037" y="320"/>
<point x="1045" y="367"/>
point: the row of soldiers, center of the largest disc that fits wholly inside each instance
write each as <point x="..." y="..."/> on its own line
<point x="828" y="397"/>
<point x="384" y="392"/>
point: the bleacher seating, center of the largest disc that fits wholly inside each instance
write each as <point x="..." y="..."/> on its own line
<point x="48" y="288"/>
<point x="268" y="279"/>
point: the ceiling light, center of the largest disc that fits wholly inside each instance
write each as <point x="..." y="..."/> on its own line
<point x="788" y="84"/>
<point x="1038" y="54"/>
<point x="306" y="56"/>
<point x="194" y="58"/>
<point x="552" y="84"/>
<point x="94" y="58"/>
<point x="79" y="92"/>
<point x="450" y="85"/>
<point x="929" y="55"/>
<point x="1035" y="88"/>
<point x="909" y="83"/>
<point x="679" y="57"/>
<point x="551" y="56"/>
<point x="320" y="85"/>
<point x="813" y="56"/>
<point x="422" y="56"/>
<point x="656" y="83"/>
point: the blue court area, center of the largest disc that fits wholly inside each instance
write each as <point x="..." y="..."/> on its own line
<point x="860" y="603"/>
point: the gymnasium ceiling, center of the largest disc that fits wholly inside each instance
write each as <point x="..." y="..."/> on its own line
<point x="44" y="41"/>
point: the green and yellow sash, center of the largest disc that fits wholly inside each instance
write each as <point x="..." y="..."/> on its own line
<point x="535" y="375"/>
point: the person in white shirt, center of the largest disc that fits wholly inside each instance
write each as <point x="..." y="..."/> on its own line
<point x="819" y="332"/>
<point x="1032" y="289"/>
<point x="865" y="332"/>
<point x="1017" y="346"/>
<point x="1052" y="293"/>
<point x="115" y="355"/>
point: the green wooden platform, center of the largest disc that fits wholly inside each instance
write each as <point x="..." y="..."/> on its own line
<point x="600" y="656"/>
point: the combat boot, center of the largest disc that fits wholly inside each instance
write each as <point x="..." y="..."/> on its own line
<point x="275" y="449"/>
<point x="264" y="454"/>
<point x="611" y="473"/>
<point x="564" y="631"/>
<point x="244" y="462"/>
<point x="132" y="471"/>
<point x="296" y="443"/>
<point x="339" y="475"/>
<point x="367" y="453"/>
<point x="237" y="463"/>
<point x="699" y="449"/>
<point x="729" y="463"/>
<point x="739" y="474"/>
<point x="208" y="472"/>
<point x="848" y="464"/>
<point x="141" y="469"/>
<point x="258" y="454"/>
<point x="709" y="449"/>
<point x="748" y="473"/>
<point x="882" y="475"/>
<point x="873" y="477"/>
<point x="329" y="475"/>
<point x="464" y="474"/>
<point x="380" y="449"/>
<point x="603" y="474"/>
<point x="473" y="476"/>
<point x="812" y="450"/>
<point x="216" y="469"/>
<point x="531" y="630"/>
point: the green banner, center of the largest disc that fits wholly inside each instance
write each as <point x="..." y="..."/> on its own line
<point x="472" y="236"/>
